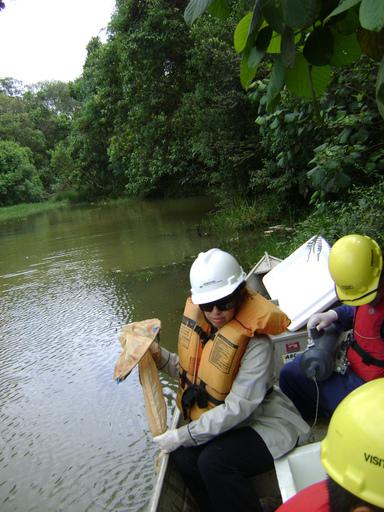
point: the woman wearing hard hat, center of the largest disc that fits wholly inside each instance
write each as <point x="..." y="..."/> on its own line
<point x="355" y="264"/>
<point x="352" y="454"/>
<point x="236" y="421"/>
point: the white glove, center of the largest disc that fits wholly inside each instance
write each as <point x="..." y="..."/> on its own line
<point x="168" y="441"/>
<point x="321" y="320"/>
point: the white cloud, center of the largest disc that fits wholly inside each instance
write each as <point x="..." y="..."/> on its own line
<point x="47" y="39"/>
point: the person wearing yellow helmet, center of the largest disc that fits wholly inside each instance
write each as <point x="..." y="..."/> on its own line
<point x="236" y="421"/>
<point x="352" y="454"/>
<point x="356" y="266"/>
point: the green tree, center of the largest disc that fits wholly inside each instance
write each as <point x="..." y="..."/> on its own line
<point x="183" y="124"/>
<point x="93" y="125"/>
<point x="305" y="159"/>
<point x="215" y="121"/>
<point x="19" y="180"/>
<point x="150" y="39"/>
<point x="11" y="87"/>
<point x="302" y="39"/>
<point x="50" y="107"/>
<point x="37" y="117"/>
<point x="17" y="125"/>
<point x="62" y="167"/>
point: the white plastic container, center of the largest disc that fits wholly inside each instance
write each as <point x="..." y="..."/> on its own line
<point x="298" y="469"/>
<point x="301" y="283"/>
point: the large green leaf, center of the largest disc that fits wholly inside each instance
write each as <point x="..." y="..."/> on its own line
<point x="299" y="13"/>
<point x="297" y="78"/>
<point x="241" y="33"/>
<point x="372" y="14"/>
<point x="344" y="6"/>
<point x="275" y="44"/>
<point x="264" y="38"/>
<point x="219" y="8"/>
<point x="194" y="9"/>
<point x="255" y="56"/>
<point x="288" y="49"/>
<point x="273" y="13"/>
<point x="275" y="83"/>
<point x="318" y="49"/>
<point x="372" y="43"/>
<point x="326" y="7"/>
<point x="346" y="50"/>
<point x="380" y="89"/>
<point x="247" y="74"/>
<point x="257" y="16"/>
<point x="348" y="23"/>
<point x="256" y="53"/>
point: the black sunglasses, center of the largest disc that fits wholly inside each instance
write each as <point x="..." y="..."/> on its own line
<point x="223" y="304"/>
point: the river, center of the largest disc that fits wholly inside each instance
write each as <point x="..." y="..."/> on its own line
<point x="71" y="439"/>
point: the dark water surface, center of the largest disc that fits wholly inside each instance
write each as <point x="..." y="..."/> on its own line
<point x="71" y="439"/>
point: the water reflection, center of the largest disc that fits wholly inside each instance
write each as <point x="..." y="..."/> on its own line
<point x="70" y="438"/>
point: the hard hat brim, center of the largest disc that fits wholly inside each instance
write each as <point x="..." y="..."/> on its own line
<point x="212" y="295"/>
<point x="354" y="299"/>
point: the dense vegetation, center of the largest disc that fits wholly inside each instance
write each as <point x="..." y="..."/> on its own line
<point x="160" y="111"/>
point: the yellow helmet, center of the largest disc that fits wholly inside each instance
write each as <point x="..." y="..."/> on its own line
<point x="352" y="452"/>
<point x="355" y="263"/>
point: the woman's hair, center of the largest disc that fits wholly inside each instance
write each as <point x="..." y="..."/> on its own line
<point x="341" y="500"/>
<point x="240" y="294"/>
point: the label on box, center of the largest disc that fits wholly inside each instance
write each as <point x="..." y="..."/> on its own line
<point x="292" y="347"/>
<point x="288" y="357"/>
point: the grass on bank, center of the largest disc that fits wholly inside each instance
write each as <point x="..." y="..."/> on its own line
<point x="23" y="210"/>
<point x="249" y="229"/>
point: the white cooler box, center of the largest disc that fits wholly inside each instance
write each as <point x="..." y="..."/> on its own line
<point x="298" y="469"/>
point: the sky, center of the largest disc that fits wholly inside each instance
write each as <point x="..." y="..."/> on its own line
<point x="46" y="39"/>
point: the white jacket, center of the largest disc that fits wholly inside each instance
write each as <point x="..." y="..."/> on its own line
<point x="273" y="416"/>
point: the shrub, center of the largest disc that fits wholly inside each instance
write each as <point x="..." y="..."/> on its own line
<point x="19" y="181"/>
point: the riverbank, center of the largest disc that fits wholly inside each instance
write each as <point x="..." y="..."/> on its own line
<point x="24" y="210"/>
<point x="249" y="229"/>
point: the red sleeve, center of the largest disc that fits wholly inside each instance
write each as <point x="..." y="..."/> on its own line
<point x="311" y="499"/>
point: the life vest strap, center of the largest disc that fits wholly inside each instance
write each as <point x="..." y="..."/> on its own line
<point x="195" y="393"/>
<point x="202" y="334"/>
<point x="183" y="378"/>
<point x="192" y="324"/>
<point x="365" y="356"/>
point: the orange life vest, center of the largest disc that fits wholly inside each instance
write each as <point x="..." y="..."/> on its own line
<point x="209" y="361"/>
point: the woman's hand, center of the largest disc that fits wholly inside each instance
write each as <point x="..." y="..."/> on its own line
<point x="169" y="441"/>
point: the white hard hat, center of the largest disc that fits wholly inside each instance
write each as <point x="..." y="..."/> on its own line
<point x="214" y="274"/>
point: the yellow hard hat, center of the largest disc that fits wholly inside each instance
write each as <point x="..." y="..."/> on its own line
<point x="352" y="452"/>
<point x="355" y="263"/>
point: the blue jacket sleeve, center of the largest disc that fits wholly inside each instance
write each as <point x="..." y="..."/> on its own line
<point x="345" y="315"/>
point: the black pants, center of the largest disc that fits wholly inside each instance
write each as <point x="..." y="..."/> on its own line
<point x="218" y="472"/>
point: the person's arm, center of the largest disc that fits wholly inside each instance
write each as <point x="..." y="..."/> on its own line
<point x="345" y="316"/>
<point x="341" y="317"/>
<point x="166" y="361"/>
<point x="254" y="378"/>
